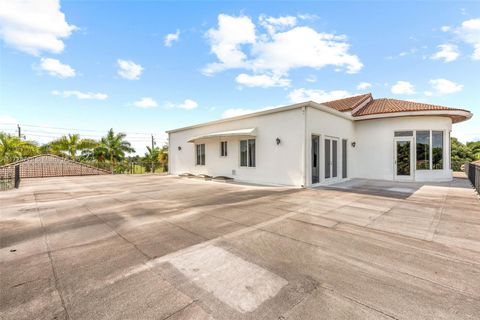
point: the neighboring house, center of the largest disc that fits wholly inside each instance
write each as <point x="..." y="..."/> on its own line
<point x="308" y="144"/>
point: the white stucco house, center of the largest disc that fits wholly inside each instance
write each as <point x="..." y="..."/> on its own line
<point x="309" y="144"/>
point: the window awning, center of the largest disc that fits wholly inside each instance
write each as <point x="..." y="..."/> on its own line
<point x="251" y="132"/>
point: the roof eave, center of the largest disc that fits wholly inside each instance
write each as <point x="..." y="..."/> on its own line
<point x="444" y="113"/>
<point x="243" y="116"/>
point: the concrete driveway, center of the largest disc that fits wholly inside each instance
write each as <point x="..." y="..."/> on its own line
<point x="160" y="247"/>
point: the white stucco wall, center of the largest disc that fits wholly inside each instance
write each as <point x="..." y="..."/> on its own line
<point x="374" y="151"/>
<point x="327" y="125"/>
<point x="275" y="164"/>
<point x="290" y="162"/>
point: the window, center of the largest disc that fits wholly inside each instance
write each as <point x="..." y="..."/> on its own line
<point x="328" y="160"/>
<point x="423" y="150"/>
<point x="334" y="158"/>
<point x="437" y="150"/>
<point x="223" y="148"/>
<point x="403" y="134"/>
<point x="247" y="153"/>
<point x="200" y="154"/>
<point x="450" y="149"/>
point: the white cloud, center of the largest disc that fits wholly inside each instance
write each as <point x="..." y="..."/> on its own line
<point x="363" y="85"/>
<point x="444" y="86"/>
<point x="171" y="38"/>
<point x="302" y="95"/>
<point x="307" y="16"/>
<point x="129" y="69"/>
<point x="187" y="104"/>
<point x="57" y="69"/>
<point x="34" y="26"/>
<point x="469" y="32"/>
<point x="273" y="25"/>
<point x="80" y="95"/>
<point x="445" y="28"/>
<point x="403" y="87"/>
<point x="263" y="81"/>
<point x="145" y="103"/>
<point x="232" y="32"/>
<point x="447" y="52"/>
<point x="304" y="47"/>
<point x="311" y="78"/>
<point x="409" y="52"/>
<point x="285" y="46"/>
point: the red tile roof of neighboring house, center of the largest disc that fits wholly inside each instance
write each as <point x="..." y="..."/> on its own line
<point x="348" y="104"/>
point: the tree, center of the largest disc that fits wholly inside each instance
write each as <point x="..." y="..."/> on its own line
<point x="156" y="157"/>
<point x="152" y="159"/>
<point x="13" y="148"/>
<point x="460" y="154"/>
<point x="475" y="148"/>
<point x="71" y="144"/>
<point x="163" y="157"/>
<point x="113" y="147"/>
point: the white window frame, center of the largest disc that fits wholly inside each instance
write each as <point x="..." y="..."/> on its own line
<point x="431" y="149"/>
<point x="197" y="154"/>
<point x="223" y="149"/>
<point x="445" y="147"/>
<point x="248" y="154"/>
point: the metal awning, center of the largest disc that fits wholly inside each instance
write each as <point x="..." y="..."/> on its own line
<point x="251" y="132"/>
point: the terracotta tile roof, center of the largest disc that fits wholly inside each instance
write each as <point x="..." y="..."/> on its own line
<point x="387" y="106"/>
<point x="348" y="104"/>
<point x="378" y="106"/>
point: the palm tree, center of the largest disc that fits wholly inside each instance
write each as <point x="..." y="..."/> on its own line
<point x="71" y="144"/>
<point x="113" y="147"/>
<point x="13" y="148"/>
<point x="163" y="157"/>
<point x="152" y="157"/>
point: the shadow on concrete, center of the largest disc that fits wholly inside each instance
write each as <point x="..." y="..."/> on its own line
<point x="13" y="234"/>
<point x="389" y="189"/>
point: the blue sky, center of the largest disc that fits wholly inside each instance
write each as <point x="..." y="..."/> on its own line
<point x="146" y="67"/>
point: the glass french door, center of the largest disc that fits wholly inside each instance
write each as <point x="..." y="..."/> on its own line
<point x="315" y="159"/>
<point x="403" y="158"/>
<point x="331" y="158"/>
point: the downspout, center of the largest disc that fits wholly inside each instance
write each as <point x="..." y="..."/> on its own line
<point x="304" y="158"/>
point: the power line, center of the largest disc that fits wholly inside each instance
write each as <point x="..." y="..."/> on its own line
<point x="27" y="133"/>
<point x="74" y="129"/>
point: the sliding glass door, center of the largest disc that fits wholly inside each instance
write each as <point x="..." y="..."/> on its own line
<point x="315" y="159"/>
<point x="331" y="158"/>
<point x="403" y="158"/>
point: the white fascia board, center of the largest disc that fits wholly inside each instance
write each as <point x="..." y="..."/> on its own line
<point x="461" y="113"/>
<point x="243" y="116"/>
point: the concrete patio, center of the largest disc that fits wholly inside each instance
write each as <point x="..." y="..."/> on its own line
<point x="162" y="247"/>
